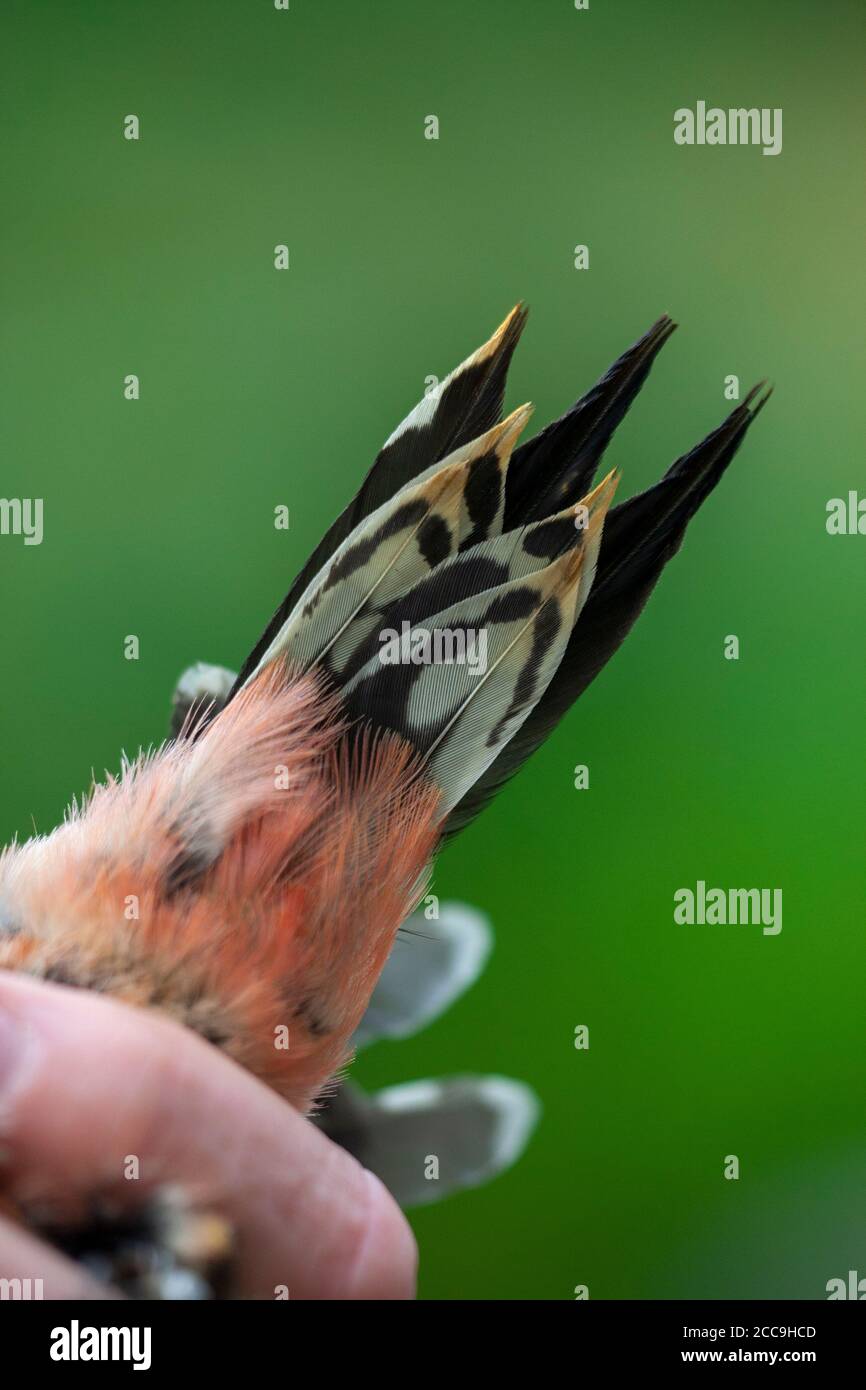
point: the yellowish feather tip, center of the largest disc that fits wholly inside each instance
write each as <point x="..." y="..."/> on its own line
<point x="512" y="426"/>
<point x="598" y="501"/>
<point x="494" y="342"/>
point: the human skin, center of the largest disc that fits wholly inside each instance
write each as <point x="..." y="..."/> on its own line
<point x="86" y="1082"/>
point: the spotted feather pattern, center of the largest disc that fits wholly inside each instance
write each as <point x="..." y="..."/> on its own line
<point x="455" y="503"/>
<point x="484" y="566"/>
<point x="461" y="408"/>
<point x="397" y="557"/>
<point x="465" y="680"/>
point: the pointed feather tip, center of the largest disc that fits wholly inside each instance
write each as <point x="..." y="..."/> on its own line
<point x="599" y="499"/>
<point x="758" y="397"/>
<point x="748" y="410"/>
<point x="514" y="319"/>
<point x="499" y="439"/>
<point x="508" y="332"/>
<point x="598" y="513"/>
<point x="596" y="503"/>
<point x="656" y="336"/>
<point x="508" y="430"/>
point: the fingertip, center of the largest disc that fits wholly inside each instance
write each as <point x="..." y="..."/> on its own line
<point x="386" y="1264"/>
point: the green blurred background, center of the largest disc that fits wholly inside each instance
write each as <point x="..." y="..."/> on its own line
<point x="258" y="388"/>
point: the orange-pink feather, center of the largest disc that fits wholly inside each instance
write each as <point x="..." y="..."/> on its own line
<point x="306" y="859"/>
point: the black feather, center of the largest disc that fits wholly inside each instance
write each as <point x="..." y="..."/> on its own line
<point x="551" y="472"/>
<point x="640" y="537"/>
<point x="556" y="467"/>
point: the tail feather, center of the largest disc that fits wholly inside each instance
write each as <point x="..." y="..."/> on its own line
<point x="488" y="565"/>
<point x="653" y="523"/>
<point x="407" y="537"/>
<point x="640" y="537"/>
<point x="557" y="466"/>
<point x="462" y="407"/>
<point x="507" y="560"/>
<point x="458" y="713"/>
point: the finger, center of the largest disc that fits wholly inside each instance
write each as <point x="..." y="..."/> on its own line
<point x="92" y="1090"/>
<point x="30" y="1269"/>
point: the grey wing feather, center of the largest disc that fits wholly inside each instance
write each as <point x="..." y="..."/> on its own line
<point x="431" y="964"/>
<point x="428" y="1139"/>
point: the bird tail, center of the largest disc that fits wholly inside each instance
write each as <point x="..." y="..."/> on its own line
<point x="471" y="590"/>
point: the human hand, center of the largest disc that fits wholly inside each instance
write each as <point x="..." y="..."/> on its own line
<point x="86" y="1084"/>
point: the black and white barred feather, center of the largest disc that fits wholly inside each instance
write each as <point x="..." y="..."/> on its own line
<point x="455" y="530"/>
